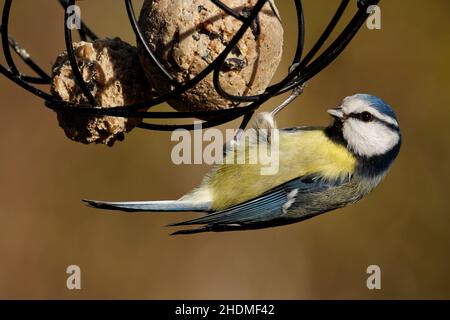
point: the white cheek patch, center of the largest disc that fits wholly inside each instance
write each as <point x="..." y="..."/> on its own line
<point x="369" y="138"/>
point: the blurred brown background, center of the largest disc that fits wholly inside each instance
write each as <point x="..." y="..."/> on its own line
<point x="403" y="226"/>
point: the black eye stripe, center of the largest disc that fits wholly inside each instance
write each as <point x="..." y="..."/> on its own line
<point x="387" y="124"/>
<point x="364" y="116"/>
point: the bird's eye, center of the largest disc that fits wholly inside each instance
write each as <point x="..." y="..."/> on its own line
<point x="366" y="116"/>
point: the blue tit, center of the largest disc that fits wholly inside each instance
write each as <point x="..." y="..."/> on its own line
<point x="320" y="169"/>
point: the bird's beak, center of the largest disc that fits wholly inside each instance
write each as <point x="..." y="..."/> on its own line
<point x="336" y="113"/>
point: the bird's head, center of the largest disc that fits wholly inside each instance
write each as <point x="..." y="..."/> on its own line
<point x="368" y="125"/>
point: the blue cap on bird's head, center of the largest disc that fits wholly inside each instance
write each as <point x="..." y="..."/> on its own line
<point x="376" y="103"/>
<point x="363" y="105"/>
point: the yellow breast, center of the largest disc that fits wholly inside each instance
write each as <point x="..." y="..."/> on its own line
<point x="301" y="153"/>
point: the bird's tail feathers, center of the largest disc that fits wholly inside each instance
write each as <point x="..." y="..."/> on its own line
<point x="151" y="206"/>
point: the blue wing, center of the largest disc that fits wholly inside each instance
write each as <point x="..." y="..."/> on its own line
<point x="267" y="208"/>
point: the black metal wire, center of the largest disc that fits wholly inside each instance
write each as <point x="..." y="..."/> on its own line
<point x="5" y="38"/>
<point x="333" y="51"/>
<point x="13" y="73"/>
<point x="228" y="10"/>
<point x="300" y="33"/>
<point x="216" y="64"/>
<point x="325" y="35"/>
<point x="302" y="69"/>
<point x="297" y="59"/>
<point x="73" y="61"/>
<point x="43" y="77"/>
<point x="144" y="44"/>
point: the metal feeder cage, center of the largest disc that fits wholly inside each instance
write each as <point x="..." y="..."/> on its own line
<point x="303" y="66"/>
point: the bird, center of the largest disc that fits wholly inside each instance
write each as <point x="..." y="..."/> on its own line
<point x="320" y="169"/>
